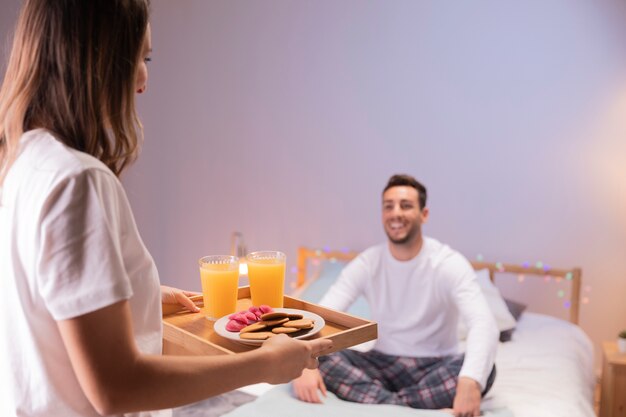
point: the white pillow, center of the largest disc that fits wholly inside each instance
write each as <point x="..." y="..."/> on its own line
<point x="504" y="318"/>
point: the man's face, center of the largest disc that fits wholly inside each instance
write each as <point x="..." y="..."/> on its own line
<point x="402" y="217"/>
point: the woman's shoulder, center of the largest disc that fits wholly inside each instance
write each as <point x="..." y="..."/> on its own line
<point x="44" y="152"/>
<point x="45" y="166"/>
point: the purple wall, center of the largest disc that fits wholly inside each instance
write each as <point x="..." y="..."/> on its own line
<point x="283" y="120"/>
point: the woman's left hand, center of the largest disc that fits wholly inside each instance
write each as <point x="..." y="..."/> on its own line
<point x="170" y="295"/>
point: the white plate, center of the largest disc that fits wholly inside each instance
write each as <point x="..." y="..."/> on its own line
<point x="220" y="327"/>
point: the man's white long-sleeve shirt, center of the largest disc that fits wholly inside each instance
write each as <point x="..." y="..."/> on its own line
<point x="417" y="304"/>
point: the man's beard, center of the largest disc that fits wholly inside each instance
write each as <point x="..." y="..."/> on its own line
<point x="413" y="231"/>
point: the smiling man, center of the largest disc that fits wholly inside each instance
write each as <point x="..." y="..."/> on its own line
<point x="417" y="289"/>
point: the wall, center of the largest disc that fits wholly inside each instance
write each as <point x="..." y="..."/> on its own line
<point x="283" y="120"/>
<point x="8" y="17"/>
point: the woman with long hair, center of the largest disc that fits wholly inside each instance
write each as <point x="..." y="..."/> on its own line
<point x="80" y="299"/>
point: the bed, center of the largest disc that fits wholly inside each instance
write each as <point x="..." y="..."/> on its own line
<point x="544" y="369"/>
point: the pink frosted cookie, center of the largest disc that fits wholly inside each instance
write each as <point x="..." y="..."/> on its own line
<point x="238" y="321"/>
<point x="234" y="326"/>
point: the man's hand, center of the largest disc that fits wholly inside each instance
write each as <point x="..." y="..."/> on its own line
<point x="307" y="385"/>
<point x="467" y="399"/>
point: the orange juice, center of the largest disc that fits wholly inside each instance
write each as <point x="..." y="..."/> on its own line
<point x="267" y="279"/>
<point x="219" y="288"/>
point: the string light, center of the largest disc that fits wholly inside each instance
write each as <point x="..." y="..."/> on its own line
<point x="479" y="257"/>
<point x="567" y="304"/>
<point x="499" y="266"/>
<point x="521" y="278"/>
<point x="539" y="264"/>
<point x="585" y="300"/>
<point x="526" y="264"/>
<point x="569" y="276"/>
<point x="294" y="269"/>
<point x="560" y="293"/>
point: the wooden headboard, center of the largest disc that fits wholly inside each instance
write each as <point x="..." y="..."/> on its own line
<point x="574" y="275"/>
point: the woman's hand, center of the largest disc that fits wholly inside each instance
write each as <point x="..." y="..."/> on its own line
<point x="289" y="357"/>
<point x="170" y="295"/>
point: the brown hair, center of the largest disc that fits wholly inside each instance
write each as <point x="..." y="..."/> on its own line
<point x="72" y="71"/>
<point x="407" y="180"/>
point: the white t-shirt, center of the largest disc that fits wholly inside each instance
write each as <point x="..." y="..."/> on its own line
<point x="68" y="246"/>
<point x="417" y="304"/>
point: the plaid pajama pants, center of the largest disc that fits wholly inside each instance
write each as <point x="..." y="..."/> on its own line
<point x="376" y="378"/>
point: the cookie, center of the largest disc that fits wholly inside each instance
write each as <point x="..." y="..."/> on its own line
<point x="234" y="326"/>
<point x="256" y="311"/>
<point x="273" y="316"/>
<point x="253" y="328"/>
<point x="271" y="323"/>
<point x="256" y="335"/>
<point x="285" y="330"/>
<point x="265" y="308"/>
<point x="294" y="316"/>
<point x="300" y="332"/>
<point x="240" y="317"/>
<point x="299" y="324"/>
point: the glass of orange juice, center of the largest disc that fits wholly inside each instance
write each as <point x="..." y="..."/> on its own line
<point x="220" y="279"/>
<point x="266" y="272"/>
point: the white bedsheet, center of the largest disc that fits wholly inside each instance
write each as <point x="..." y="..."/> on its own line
<point x="546" y="370"/>
<point x="279" y="402"/>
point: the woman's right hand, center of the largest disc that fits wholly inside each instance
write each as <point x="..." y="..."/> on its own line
<point x="306" y="387"/>
<point x="288" y="357"/>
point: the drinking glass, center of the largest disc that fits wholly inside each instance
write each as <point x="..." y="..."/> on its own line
<point x="220" y="279"/>
<point x="266" y="272"/>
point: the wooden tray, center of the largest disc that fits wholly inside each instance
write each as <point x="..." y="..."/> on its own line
<point x="187" y="333"/>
